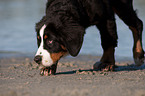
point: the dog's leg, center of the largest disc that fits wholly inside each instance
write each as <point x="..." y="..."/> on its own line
<point x="138" y="53"/>
<point x="107" y="28"/>
<point x="126" y="12"/>
<point x="109" y="42"/>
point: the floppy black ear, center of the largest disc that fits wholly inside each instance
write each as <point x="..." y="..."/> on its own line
<point x="73" y="38"/>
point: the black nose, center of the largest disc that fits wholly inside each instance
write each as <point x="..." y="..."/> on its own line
<point x="38" y="59"/>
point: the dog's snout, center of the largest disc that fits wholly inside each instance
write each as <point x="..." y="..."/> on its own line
<point x="38" y="59"/>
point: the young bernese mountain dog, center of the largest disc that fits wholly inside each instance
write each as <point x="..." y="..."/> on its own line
<point x="61" y="31"/>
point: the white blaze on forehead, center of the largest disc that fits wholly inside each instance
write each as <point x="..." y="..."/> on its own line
<point x="46" y="58"/>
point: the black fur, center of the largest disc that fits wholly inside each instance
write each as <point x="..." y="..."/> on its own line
<point x="71" y="17"/>
<point x="67" y="20"/>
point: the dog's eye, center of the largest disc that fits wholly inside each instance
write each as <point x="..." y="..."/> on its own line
<point x="49" y="42"/>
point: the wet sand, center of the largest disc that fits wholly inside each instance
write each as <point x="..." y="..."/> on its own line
<point x="75" y="77"/>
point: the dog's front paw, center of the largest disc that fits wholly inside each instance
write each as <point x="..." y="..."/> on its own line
<point x="47" y="71"/>
<point x="104" y="66"/>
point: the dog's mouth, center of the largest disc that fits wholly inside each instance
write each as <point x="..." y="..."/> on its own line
<point x="47" y="67"/>
<point x="47" y="71"/>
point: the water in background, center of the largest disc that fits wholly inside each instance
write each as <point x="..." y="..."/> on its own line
<point x="17" y="32"/>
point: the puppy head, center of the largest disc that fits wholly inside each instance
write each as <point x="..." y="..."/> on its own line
<point x="54" y="43"/>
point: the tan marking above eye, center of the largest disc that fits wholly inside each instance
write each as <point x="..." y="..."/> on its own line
<point x="63" y="47"/>
<point x="38" y="37"/>
<point x="45" y="37"/>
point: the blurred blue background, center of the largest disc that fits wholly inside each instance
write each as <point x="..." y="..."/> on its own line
<point x="17" y="29"/>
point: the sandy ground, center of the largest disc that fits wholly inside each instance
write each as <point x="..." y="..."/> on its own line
<point x="20" y="77"/>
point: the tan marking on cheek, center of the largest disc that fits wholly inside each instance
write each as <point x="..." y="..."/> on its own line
<point x="56" y="56"/>
<point x="45" y="37"/>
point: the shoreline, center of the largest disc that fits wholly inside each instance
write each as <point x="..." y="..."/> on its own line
<point x="15" y="54"/>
